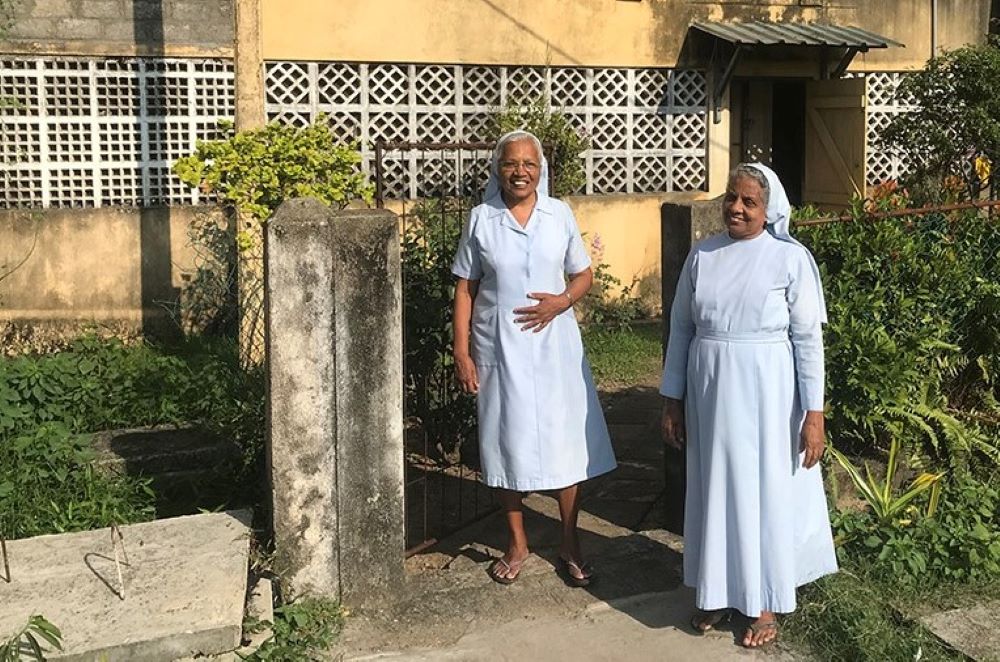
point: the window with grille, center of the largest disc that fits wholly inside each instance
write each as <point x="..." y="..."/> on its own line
<point x="647" y="126"/>
<point x="105" y="131"/>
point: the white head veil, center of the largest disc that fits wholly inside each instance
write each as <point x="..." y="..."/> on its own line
<point x="493" y="185"/>
<point x="779" y="212"/>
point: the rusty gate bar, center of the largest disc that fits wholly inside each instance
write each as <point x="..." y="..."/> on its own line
<point x="899" y="213"/>
<point x="435" y="508"/>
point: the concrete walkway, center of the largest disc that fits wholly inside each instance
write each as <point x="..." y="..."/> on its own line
<point x="636" y="610"/>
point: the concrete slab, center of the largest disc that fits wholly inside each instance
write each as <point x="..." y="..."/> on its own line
<point x="184" y="588"/>
<point x="974" y="631"/>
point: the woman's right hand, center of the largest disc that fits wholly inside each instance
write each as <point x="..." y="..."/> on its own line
<point x="672" y="423"/>
<point x="465" y="371"/>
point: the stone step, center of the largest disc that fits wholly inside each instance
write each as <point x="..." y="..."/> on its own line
<point x="161" y="450"/>
<point x="185" y="582"/>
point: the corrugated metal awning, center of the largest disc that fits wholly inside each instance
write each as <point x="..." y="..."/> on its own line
<point x="764" y="33"/>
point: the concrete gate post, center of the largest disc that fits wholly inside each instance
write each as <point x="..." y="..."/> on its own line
<point x="681" y="227"/>
<point x="335" y="403"/>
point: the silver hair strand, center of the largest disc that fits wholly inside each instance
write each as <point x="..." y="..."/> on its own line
<point x="747" y="170"/>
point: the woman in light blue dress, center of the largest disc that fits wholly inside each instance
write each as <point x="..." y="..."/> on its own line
<point x="518" y="347"/>
<point x="743" y="389"/>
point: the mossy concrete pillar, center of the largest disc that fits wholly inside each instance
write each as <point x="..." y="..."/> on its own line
<point x="335" y="407"/>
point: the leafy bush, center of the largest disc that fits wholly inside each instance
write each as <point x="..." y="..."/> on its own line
<point x="48" y="404"/>
<point x="953" y="136"/>
<point x="258" y="169"/>
<point x="48" y="485"/>
<point x="563" y="143"/>
<point x="608" y="304"/>
<point x="445" y="415"/>
<point x="27" y="640"/>
<point x="912" y="344"/>
<point x="303" y="630"/>
<point x="960" y="543"/>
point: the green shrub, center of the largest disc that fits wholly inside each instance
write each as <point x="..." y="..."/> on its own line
<point x="49" y="404"/>
<point x="303" y="630"/>
<point x="912" y="343"/>
<point x="433" y="399"/>
<point x="959" y="543"/>
<point x="258" y="169"/>
<point x="952" y="138"/>
<point x="48" y="485"/>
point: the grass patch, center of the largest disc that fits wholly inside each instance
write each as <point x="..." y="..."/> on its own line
<point x="848" y="617"/>
<point x="626" y="356"/>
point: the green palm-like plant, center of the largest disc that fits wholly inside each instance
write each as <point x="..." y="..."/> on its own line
<point x="880" y="495"/>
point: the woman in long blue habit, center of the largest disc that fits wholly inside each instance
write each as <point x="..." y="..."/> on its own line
<point x="743" y="391"/>
<point x="518" y="347"/>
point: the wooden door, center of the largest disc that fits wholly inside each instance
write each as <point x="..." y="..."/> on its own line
<point x="836" y="140"/>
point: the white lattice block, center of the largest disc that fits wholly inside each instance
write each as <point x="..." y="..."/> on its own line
<point x="287" y="83"/>
<point x="650" y="130"/>
<point x="476" y="127"/>
<point x="481" y="86"/>
<point x="688" y="173"/>
<point x="609" y="131"/>
<point x="651" y="174"/>
<point x="390" y="127"/>
<point x="652" y="88"/>
<point x="611" y="88"/>
<point x="19" y="88"/>
<point x="688" y="89"/>
<point x="388" y="85"/>
<point x="610" y="174"/>
<point x="524" y="84"/>
<point x="20" y="141"/>
<point x="121" y="186"/>
<point x="338" y="84"/>
<point x="435" y="86"/>
<point x="688" y="131"/>
<point x="70" y="142"/>
<point x="570" y="87"/>
<point x="436" y="127"/>
<point x="22" y="188"/>
<point x="71" y="187"/>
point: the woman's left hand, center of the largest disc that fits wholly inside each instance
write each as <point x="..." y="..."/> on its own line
<point x="813" y="438"/>
<point x="537" y="317"/>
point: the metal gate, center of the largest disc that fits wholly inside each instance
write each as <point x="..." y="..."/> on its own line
<point x="432" y="186"/>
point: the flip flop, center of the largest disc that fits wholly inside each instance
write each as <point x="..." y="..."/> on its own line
<point x="584" y="569"/>
<point x="702" y="622"/>
<point x="757" y="628"/>
<point x="508" y="567"/>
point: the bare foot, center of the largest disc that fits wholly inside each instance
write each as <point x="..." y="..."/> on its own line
<point x="762" y="631"/>
<point x="506" y="569"/>
<point x="704" y="621"/>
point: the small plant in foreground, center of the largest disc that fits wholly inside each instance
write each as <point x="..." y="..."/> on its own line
<point x="303" y="630"/>
<point x="25" y="644"/>
<point x="880" y="495"/>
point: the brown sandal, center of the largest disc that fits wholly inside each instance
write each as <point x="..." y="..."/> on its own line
<point x="586" y="573"/>
<point x="508" y="566"/>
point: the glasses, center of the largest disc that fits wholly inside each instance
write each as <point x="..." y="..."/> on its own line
<point x="511" y="166"/>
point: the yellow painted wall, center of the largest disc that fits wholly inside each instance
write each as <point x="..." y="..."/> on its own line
<point x="629" y="230"/>
<point x="104" y="265"/>
<point x="582" y="32"/>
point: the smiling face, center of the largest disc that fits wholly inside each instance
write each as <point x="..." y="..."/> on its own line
<point x="744" y="209"/>
<point x="519" y="168"/>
